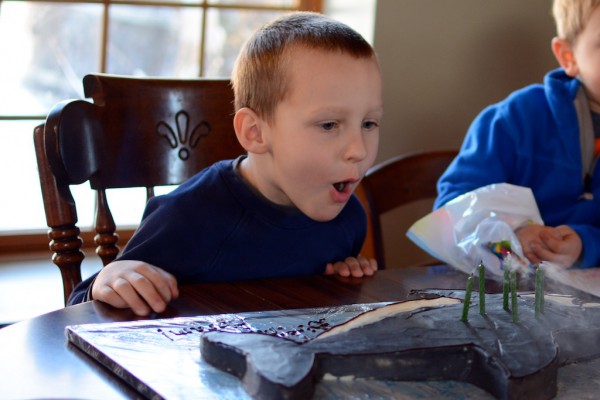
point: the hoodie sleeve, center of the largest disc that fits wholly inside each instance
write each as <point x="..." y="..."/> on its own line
<point x="590" y="237"/>
<point x="483" y="157"/>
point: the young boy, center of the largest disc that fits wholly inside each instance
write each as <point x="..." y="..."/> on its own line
<point x="308" y="101"/>
<point x="542" y="137"/>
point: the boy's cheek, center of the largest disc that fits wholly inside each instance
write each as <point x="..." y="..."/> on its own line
<point x="373" y="150"/>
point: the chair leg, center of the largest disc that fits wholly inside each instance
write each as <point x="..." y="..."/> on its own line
<point x="61" y="217"/>
<point x="66" y="245"/>
<point x="106" y="239"/>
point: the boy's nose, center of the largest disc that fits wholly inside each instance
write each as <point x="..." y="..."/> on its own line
<point x="357" y="147"/>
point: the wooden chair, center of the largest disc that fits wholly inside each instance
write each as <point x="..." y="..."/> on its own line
<point x="137" y="132"/>
<point x="394" y="183"/>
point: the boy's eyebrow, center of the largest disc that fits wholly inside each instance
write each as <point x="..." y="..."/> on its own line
<point x="342" y="109"/>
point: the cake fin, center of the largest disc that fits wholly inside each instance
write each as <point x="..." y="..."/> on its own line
<point x="269" y="367"/>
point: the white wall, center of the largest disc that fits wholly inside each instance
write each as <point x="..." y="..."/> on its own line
<point x="444" y="60"/>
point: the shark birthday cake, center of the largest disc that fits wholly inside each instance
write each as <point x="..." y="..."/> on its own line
<point x="423" y="338"/>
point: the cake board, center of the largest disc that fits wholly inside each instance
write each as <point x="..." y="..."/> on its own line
<point x="160" y="358"/>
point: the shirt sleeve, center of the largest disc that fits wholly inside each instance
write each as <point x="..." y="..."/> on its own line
<point x="590" y="237"/>
<point x="82" y="292"/>
<point x="483" y="157"/>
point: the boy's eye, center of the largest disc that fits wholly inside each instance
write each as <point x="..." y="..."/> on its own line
<point x="328" y="126"/>
<point x="370" y="125"/>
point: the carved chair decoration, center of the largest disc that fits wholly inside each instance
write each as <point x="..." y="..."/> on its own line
<point x="136" y="132"/>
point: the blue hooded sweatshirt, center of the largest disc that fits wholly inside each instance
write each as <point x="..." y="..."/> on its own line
<point x="532" y="139"/>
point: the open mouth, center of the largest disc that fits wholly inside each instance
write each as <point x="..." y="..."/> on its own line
<point x="340" y="186"/>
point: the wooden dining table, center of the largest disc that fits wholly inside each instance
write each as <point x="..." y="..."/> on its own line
<point x="37" y="360"/>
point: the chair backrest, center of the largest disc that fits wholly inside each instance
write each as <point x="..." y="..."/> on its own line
<point x="137" y="132"/>
<point x="394" y="183"/>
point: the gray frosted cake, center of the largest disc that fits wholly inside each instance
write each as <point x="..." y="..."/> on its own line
<point x="422" y="339"/>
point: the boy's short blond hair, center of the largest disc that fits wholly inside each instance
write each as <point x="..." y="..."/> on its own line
<point x="571" y="17"/>
<point x="260" y="80"/>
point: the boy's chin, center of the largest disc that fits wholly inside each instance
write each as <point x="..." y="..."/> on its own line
<point x="324" y="215"/>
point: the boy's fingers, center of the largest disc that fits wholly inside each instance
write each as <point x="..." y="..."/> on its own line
<point x="533" y="258"/>
<point x="156" y="286"/>
<point x="560" y="239"/>
<point x="371" y="264"/>
<point x="165" y="284"/>
<point x="329" y="269"/>
<point x="106" y="294"/>
<point x="354" y="267"/>
<point x="544" y="254"/>
<point x="342" y="269"/>
<point x="155" y="296"/>
<point x="365" y="266"/>
<point x="125" y="288"/>
<point x="551" y="243"/>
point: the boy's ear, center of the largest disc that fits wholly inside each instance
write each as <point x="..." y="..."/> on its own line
<point x="249" y="130"/>
<point x="563" y="51"/>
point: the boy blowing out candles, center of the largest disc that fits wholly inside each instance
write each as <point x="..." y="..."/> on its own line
<point x="308" y="105"/>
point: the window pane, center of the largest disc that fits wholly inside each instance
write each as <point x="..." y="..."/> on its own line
<point x="227" y="30"/>
<point x="50" y="47"/>
<point x="154" y="41"/>
<point x="271" y="3"/>
<point x="359" y="14"/>
<point x="127" y="205"/>
<point x="197" y="3"/>
<point x="23" y="209"/>
<point x="21" y="204"/>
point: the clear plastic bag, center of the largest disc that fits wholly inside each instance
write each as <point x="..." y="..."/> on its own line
<point x="478" y="227"/>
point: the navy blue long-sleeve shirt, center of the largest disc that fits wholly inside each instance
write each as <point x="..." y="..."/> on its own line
<point x="215" y="227"/>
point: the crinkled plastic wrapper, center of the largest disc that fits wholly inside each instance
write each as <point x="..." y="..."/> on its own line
<point x="463" y="231"/>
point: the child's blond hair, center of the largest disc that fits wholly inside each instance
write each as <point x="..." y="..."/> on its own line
<point x="260" y="76"/>
<point x="571" y="17"/>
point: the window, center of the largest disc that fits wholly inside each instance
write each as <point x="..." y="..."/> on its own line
<point x="47" y="47"/>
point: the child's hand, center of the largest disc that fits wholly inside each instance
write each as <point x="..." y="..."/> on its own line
<point x="560" y="245"/>
<point x="352" y="266"/>
<point x="135" y="284"/>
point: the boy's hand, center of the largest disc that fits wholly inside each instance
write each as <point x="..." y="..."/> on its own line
<point x="560" y="245"/>
<point x="352" y="266"/>
<point x="138" y="285"/>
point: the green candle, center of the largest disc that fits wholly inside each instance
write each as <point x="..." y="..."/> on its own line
<point x="542" y="297"/>
<point x="513" y="292"/>
<point x="539" y="291"/>
<point x="505" y="288"/>
<point x="481" y="289"/>
<point x="467" y="301"/>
